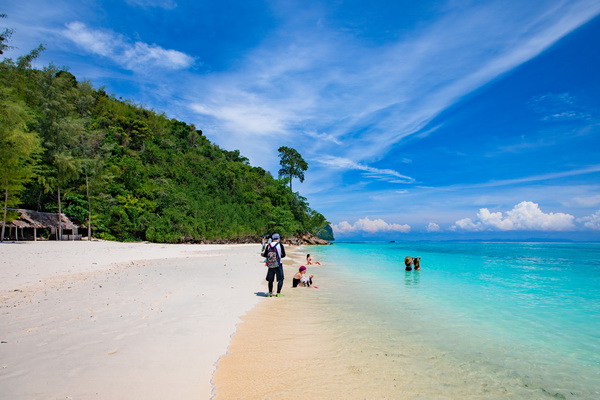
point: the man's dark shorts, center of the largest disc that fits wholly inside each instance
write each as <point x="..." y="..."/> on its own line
<point x="272" y="272"/>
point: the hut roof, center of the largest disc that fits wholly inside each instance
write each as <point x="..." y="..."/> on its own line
<point x="37" y="219"/>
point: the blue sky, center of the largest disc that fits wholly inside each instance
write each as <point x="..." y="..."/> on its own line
<point x="419" y="120"/>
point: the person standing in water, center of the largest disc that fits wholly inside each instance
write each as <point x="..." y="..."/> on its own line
<point x="408" y="262"/>
<point x="417" y="263"/>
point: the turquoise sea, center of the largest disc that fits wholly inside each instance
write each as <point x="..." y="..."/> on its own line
<point x="521" y="319"/>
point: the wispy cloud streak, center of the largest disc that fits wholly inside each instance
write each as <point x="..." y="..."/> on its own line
<point x="386" y="174"/>
<point x="370" y="98"/>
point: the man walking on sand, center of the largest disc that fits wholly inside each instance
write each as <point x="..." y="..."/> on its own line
<point x="274" y="253"/>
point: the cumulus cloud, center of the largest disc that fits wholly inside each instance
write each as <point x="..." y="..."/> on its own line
<point x="591" y="222"/>
<point x="132" y="56"/>
<point x="370" y="226"/>
<point x="525" y="216"/>
<point x="432" y="227"/>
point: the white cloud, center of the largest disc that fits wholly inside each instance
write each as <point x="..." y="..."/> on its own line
<point x="377" y="173"/>
<point x="591" y="222"/>
<point x="343" y="227"/>
<point x="432" y="227"/>
<point x="369" y="226"/>
<point x="133" y="56"/>
<point x="95" y="41"/>
<point x="142" y="54"/>
<point x="524" y="216"/>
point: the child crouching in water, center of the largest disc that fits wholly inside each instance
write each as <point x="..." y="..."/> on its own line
<point x="300" y="279"/>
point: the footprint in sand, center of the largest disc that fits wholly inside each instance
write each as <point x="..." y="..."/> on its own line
<point x="355" y="370"/>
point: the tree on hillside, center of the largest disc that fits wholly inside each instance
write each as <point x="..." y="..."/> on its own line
<point x="292" y="164"/>
<point x="59" y="126"/>
<point x="19" y="147"/>
<point x="18" y="150"/>
<point x="88" y="148"/>
<point x="4" y="36"/>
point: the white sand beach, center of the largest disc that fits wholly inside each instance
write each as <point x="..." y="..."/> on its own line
<point x="106" y="320"/>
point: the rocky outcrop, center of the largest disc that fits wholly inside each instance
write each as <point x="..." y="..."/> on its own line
<point x="305" y="238"/>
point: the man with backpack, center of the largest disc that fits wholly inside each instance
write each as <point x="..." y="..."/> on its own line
<point x="273" y="254"/>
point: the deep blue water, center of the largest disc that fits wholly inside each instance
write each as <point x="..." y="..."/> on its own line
<point x="531" y="308"/>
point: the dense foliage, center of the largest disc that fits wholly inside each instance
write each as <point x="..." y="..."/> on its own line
<point x="128" y="172"/>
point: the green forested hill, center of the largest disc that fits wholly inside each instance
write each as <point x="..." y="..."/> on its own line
<point x="140" y="175"/>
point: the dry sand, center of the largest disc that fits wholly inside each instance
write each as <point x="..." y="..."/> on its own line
<point x="105" y="320"/>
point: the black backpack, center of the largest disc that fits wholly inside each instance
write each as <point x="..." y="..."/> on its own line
<point x="272" y="256"/>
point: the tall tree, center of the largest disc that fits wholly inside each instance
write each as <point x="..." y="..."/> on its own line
<point x="19" y="147"/>
<point x="88" y="148"/>
<point x="92" y="158"/>
<point x="18" y="150"/>
<point x="292" y="164"/>
<point x="60" y="127"/>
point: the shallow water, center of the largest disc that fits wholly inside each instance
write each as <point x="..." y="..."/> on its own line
<point x="480" y="320"/>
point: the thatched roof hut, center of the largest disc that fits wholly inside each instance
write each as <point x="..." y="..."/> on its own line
<point x="38" y="219"/>
<point x="29" y="219"/>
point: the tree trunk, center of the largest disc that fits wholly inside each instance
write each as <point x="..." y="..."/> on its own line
<point x="5" y="209"/>
<point x="89" y="221"/>
<point x="59" y="217"/>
